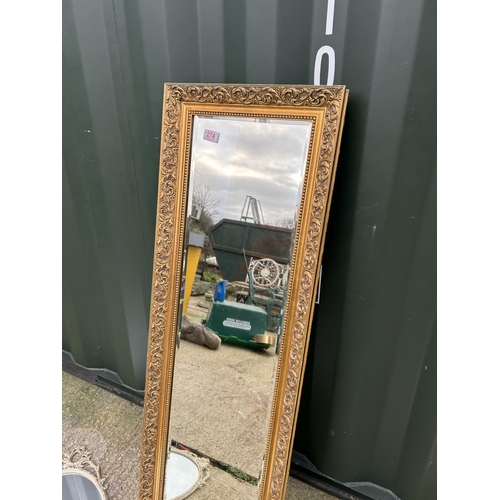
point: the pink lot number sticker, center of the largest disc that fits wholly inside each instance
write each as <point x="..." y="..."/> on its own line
<point x="210" y="135"/>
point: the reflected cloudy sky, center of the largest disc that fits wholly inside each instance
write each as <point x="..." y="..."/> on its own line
<point x="260" y="159"/>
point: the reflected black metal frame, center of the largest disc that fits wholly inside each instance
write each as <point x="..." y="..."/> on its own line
<point x="95" y="377"/>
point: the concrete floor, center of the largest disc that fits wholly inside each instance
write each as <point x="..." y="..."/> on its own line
<point x="111" y="429"/>
<point x="221" y="402"/>
<point x="222" y="399"/>
<point x="220" y="409"/>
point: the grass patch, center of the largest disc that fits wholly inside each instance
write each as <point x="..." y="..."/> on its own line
<point x="242" y="476"/>
<point x="211" y="277"/>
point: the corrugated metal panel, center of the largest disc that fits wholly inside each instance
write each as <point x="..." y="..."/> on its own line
<point x="368" y="407"/>
<point x="369" y="401"/>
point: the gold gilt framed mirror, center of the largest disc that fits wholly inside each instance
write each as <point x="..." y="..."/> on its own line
<point x="245" y="183"/>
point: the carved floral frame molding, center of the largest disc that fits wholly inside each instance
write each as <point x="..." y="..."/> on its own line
<point x="325" y="107"/>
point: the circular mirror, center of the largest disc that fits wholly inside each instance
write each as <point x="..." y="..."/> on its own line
<point x="185" y="473"/>
<point x="80" y="486"/>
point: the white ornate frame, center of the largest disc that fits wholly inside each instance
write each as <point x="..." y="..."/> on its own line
<point x="203" y="471"/>
<point x="325" y="108"/>
<point x="78" y="462"/>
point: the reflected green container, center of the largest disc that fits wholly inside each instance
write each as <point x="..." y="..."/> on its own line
<point x="237" y="323"/>
<point x="235" y="243"/>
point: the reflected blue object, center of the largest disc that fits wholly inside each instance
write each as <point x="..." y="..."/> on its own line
<point x="220" y="291"/>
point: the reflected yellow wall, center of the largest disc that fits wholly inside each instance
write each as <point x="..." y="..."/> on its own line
<point x="193" y="257"/>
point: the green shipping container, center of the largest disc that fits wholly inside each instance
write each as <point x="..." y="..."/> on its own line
<point x="368" y="407"/>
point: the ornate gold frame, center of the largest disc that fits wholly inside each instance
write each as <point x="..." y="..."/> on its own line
<point x="325" y="107"/>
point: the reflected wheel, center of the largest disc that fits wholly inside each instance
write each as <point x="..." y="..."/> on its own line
<point x="266" y="273"/>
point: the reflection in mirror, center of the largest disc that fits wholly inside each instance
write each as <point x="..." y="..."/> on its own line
<point x="245" y="185"/>
<point x="186" y="473"/>
<point x="81" y="477"/>
<point x="75" y="486"/>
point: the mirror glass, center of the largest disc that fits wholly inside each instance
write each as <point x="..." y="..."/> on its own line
<point x="185" y="474"/>
<point x="78" y="487"/>
<point x="245" y="184"/>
